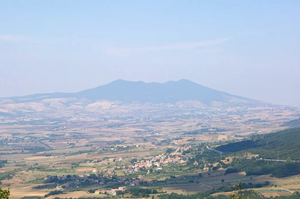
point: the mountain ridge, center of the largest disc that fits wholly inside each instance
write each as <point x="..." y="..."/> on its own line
<point x="130" y="91"/>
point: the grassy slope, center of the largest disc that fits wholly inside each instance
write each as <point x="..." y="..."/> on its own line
<point x="287" y="142"/>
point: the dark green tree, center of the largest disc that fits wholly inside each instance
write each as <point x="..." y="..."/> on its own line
<point x="239" y="194"/>
<point x="4" y="194"/>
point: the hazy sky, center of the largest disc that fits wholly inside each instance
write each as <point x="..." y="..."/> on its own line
<point x="247" y="48"/>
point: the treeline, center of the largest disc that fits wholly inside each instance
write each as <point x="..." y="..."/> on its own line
<point x="7" y="175"/>
<point x="56" y="192"/>
<point x="201" y="196"/>
<point x="46" y="186"/>
<point x="2" y="163"/>
<point x="34" y="149"/>
<point x="205" y="130"/>
<point x="292" y="124"/>
<point x="261" y="167"/>
<point x="283" y="144"/>
<point x="138" y="192"/>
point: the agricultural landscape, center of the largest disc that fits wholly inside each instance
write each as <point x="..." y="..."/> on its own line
<point x="94" y="146"/>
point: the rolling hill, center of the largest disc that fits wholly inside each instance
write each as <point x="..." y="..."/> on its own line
<point x="282" y="144"/>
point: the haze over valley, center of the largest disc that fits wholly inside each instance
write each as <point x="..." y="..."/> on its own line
<point x="115" y="96"/>
<point x="149" y="99"/>
<point x="100" y="132"/>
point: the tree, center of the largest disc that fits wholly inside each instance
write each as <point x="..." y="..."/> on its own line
<point x="289" y="160"/>
<point x="267" y="183"/>
<point x="4" y="194"/>
<point x="222" y="180"/>
<point x="238" y="194"/>
<point x="133" y="160"/>
<point x="169" y="150"/>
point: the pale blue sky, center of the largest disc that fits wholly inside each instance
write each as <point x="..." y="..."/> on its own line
<point x="247" y="48"/>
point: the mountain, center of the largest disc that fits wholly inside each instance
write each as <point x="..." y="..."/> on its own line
<point x="122" y="97"/>
<point x="127" y="91"/>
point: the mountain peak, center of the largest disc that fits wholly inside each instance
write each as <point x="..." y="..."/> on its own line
<point x="168" y="92"/>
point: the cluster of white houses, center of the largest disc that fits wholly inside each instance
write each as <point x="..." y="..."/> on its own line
<point x="112" y="192"/>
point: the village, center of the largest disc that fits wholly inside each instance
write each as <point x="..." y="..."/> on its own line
<point x="127" y="165"/>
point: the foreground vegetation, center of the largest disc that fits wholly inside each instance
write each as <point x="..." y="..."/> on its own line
<point x="4" y="194"/>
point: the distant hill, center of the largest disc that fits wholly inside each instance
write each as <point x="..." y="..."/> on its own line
<point x="287" y="142"/>
<point x="292" y="124"/>
<point x="283" y="146"/>
<point x="127" y="91"/>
